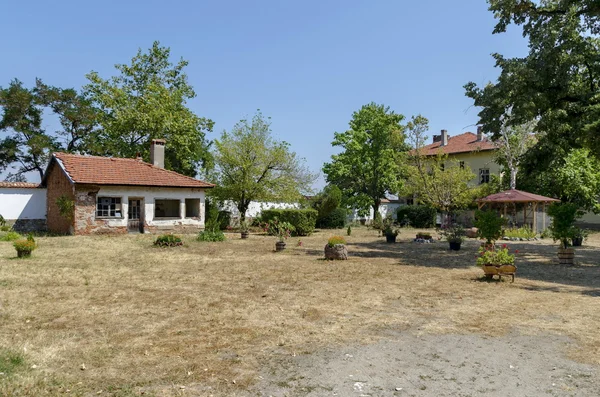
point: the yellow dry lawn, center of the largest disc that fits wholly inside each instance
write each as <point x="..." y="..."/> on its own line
<point x="115" y="316"/>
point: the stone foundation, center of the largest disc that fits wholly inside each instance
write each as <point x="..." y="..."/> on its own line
<point x="27" y="225"/>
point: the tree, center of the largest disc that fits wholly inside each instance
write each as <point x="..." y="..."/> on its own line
<point x="437" y="181"/>
<point x="148" y="100"/>
<point x="557" y="83"/>
<point x="327" y="200"/>
<point x="513" y="143"/>
<point x="369" y="165"/>
<point x="252" y="166"/>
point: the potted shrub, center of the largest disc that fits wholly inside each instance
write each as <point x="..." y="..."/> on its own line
<point x="389" y="231"/>
<point x="496" y="261"/>
<point x="455" y="234"/>
<point x="579" y="235"/>
<point x="489" y="226"/>
<point x="563" y="229"/>
<point x="244" y="229"/>
<point x="335" y="249"/>
<point x="25" y="246"/>
<point x="281" y="230"/>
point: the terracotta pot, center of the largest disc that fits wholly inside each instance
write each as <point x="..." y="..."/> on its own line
<point x="279" y="246"/>
<point x="245" y="235"/>
<point x="566" y="256"/>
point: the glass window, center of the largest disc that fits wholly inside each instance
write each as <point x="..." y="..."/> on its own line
<point x="166" y="209"/>
<point x="192" y="208"/>
<point x="462" y="165"/>
<point x="484" y="175"/>
<point x="108" y="207"/>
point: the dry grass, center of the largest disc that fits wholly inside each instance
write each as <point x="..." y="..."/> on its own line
<point x="207" y="316"/>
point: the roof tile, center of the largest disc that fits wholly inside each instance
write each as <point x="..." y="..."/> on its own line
<point x="462" y="143"/>
<point x="21" y="185"/>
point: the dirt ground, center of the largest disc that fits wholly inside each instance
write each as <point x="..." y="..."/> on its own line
<point x="114" y="316"/>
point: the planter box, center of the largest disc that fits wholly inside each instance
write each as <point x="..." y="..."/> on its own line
<point x="566" y="256"/>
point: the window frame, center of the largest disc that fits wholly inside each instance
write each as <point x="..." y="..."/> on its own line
<point x="484" y="172"/>
<point x="120" y="198"/>
<point x="199" y="217"/>
<point x="160" y="218"/>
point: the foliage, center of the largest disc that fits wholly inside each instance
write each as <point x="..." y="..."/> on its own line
<point x="336" y="240"/>
<point x="252" y="166"/>
<point x="453" y="233"/>
<point x="546" y="233"/>
<point x="370" y="163"/>
<point x="215" y="219"/>
<point x="2" y="221"/>
<point x="520" y="232"/>
<point x="148" y="100"/>
<point x="424" y="236"/>
<point x="489" y="225"/>
<point x="377" y="223"/>
<point x="244" y="226"/>
<point x="388" y="227"/>
<point x="5" y="228"/>
<point x="555" y="83"/>
<point x="349" y="230"/>
<point x="25" y="245"/>
<point x="303" y="221"/>
<point x="211" y="235"/>
<point x="66" y="206"/>
<point x="10" y="236"/>
<point x="580" y="233"/>
<point x="168" y="240"/>
<point x="280" y="229"/>
<point x="563" y="221"/>
<point x="327" y="200"/>
<point x="336" y="219"/>
<point x="419" y="216"/>
<point x="513" y="142"/>
<point x="490" y="255"/>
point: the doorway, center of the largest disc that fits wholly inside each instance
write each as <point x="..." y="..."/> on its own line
<point x="135" y="216"/>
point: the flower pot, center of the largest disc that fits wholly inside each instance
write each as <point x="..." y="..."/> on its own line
<point x="577" y="241"/>
<point x="23" y="253"/>
<point x="566" y="256"/>
<point x="390" y="238"/>
<point x="245" y="235"/>
<point x="279" y="246"/>
<point x="454" y="246"/>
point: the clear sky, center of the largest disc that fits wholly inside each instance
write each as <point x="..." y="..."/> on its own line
<point x="307" y="64"/>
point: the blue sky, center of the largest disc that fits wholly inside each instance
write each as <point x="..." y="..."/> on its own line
<point x="306" y="64"/>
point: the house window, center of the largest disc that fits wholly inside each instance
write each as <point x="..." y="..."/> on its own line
<point x="166" y="209"/>
<point x="484" y="175"/>
<point x="462" y="165"/>
<point x="192" y="208"/>
<point x="108" y="207"/>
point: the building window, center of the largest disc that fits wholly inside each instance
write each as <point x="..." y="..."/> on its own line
<point x="462" y="165"/>
<point x="166" y="209"/>
<point x="108" y="207"/>
<point x="192" y="208"/>
<point x="484" y="175"/>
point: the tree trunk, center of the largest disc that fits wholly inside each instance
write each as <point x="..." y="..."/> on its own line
<point x="513" y="178"/>
<point x="376" y="205"/>
<point x="242" y="207"/>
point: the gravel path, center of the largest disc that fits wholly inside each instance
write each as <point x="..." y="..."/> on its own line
<point x="435" y="365"/>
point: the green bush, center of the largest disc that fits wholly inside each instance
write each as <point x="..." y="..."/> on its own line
<point x="335" y="219"/>
<point x="10" y="236"/>
<point x="303" y="220"/>
<point x="335" y="240"/>
<point x="25" y="246"/>
<point x="489" y="225"/>
<point x="563" y="216"/>
<point x="168" y="240"/>
<point x="521" y="232"/>
<point x="418" y="216"/>
<point x="349" y="230"/>
<point x="211" y="236"/>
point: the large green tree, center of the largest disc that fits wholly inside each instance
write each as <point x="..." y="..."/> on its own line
<point x="250" y="165"/>
<point x="148" y="100"/>
<point x="557" y="82"/>
<point x="369" y="164"/>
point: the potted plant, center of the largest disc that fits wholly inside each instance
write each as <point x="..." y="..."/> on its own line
<point x="562" y="230"/>
<point x="25" y="246"/>
<point x="282" y="230"/>
<point x="455" y="234"/>
<point x="335" y="249"/>
<point x="389" y="231"/>
<point x="244" y="229"/>
<point x="489" y="226"/>
<point x="579" y="235"/>
<point x="496" y="261"/>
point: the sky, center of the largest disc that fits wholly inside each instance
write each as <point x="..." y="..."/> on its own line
<point x="306" y="64"/>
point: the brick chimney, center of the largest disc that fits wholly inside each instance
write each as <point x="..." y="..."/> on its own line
<point x="157" y="153"/>
<point x="437" y="138"/>
<point x="444" y="138"/>
<point x="479" y="133"/>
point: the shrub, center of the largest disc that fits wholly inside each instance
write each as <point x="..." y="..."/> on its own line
<point x="454" y="233"/>
<point x="424" y="236"/>
<point x="335" y="240"/>
<point x="10" y="236"/>
<point x="211" y="236"/>
<point x="5" y="228"/>
<point x="303" y="221"/>
<point x="281" y="230"/>
<point x="489" y="225"/>
<point x="496" y="257"/>
<point x="418" y="216"/>
<point x="349" y="230"/>
<point x="168" y="240"/>
<point x="563" y="220"/>
<point x="521" y="232"/>
<point x="335" y="219"/>
<point x="24" y="246"/>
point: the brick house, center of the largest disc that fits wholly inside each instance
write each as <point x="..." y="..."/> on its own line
<point x="120" y="195"/>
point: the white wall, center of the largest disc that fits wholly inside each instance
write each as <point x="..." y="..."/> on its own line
<point x="150" y="194"/>
<point x="255" y="208"/>
<point x="19" y="203"/>
<point x="385" y="209"/>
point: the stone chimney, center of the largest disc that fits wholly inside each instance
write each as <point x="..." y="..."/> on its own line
<point x="444" y="138"/>
<point x="479" y="133"/>
<point x="157" y="153"/>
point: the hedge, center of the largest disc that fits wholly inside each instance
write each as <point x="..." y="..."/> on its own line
<point x="336" y="219"/>
<point x="419" y="216"/>
<point x="304" y="221"/>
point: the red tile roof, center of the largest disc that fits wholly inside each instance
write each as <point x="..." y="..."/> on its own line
<point x="515" y="196"/>
<point x="462" y="143"/>
<point x="21" y="185"/>
<point x="119" y="171"/>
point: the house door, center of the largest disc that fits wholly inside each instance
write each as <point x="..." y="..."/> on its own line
<point x="135" y="221"/>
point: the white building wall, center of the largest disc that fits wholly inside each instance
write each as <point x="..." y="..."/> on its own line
<point x="385" y="209"/>
<point x="20" y="203"/>
<point x="256" y="207"/>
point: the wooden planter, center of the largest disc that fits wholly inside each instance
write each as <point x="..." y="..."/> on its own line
<point x="279" y="246"/>
<point x="245" y="235"/>
<point x="566" y="256"/>
<point x="502" y="270"/>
